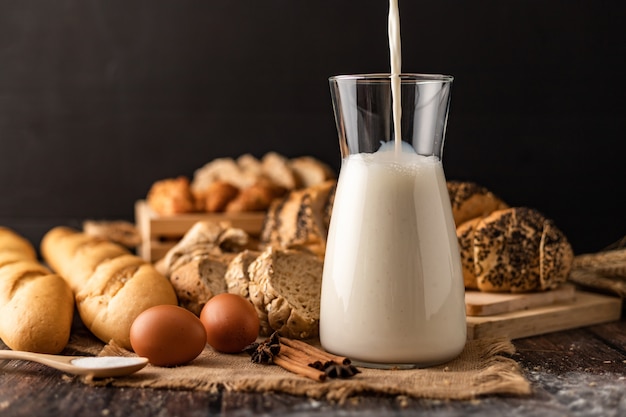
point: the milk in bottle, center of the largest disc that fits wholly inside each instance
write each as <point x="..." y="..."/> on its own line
<point x="392" y="288"/>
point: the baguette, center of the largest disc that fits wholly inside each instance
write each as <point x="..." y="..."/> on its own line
<point x="36" y="305"/>
<point x="111" y="285"/>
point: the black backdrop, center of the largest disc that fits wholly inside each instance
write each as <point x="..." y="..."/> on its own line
<point x="100" y="98"/>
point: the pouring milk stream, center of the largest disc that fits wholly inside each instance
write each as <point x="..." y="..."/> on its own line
<point x="392" y="289"/>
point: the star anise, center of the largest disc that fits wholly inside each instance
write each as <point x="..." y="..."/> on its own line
<point x="264" y="352"/>
<point x="335" y="370"/>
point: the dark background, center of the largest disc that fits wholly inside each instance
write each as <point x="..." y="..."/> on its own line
<point x="98" y="99"/>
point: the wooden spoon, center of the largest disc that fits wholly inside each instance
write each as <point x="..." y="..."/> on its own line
<point x="94" y="366"/>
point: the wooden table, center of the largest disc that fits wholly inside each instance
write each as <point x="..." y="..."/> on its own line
<point x="579" y="372"/>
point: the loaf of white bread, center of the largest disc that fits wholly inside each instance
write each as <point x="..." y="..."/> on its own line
<point x="36" y="306"/>
<point x="111" y="286"/>
<point x="507" y="249"/>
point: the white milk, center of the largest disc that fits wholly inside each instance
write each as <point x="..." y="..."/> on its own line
<point x="390" y="291"/>
<point x="395" y="58"/>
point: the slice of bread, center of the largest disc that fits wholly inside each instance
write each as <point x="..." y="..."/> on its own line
<point x="285" y="288"/>
<point x="198" y="280"/>
<point x="236" y="276"/>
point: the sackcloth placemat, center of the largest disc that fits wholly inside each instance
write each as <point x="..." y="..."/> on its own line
<point x="485" y="367"/>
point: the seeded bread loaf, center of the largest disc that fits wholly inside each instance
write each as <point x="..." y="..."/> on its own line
<point x="515" y="250"/>
<point x="465" y="235"/>
<point x="285" y="287"/>
<point x="36" y="306"/>
<point x="300" y="219"/>
<point x="111" y="286"/>
<point x="470" y="200"/>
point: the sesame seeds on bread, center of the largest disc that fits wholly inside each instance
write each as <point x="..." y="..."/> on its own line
<point x="516" y="250"/>
<point x="470" y="200"/>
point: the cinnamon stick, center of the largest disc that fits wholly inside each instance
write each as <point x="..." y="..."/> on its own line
<point x="312" y="351"/>
<point x="297" y="355"/>
<point x="296" y="367"/>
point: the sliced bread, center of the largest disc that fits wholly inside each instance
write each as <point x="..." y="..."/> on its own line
<point x="236" y="276"/>
<point x="285" y="287"/>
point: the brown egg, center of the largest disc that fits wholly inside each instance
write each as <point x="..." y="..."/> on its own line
<point x="167" y="335"/>
<point x="231" y="322"/>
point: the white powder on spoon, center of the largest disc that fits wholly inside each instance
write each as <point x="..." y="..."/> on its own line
<point x="94" y="362"/>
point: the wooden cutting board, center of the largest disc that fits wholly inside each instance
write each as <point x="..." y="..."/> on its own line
<point x="584" y="310"/>
<point x="478" y="303"/>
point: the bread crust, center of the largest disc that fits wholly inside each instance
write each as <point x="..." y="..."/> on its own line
<point x="284" y="288"/>
<point x="112" y="286"/>
<point x="519" y="250"/>
<point x="300" y="219"/>
<point x="171" y="196"/>
<point x="36" y="306"/>
<point x="465" y="236"/>
<point x="470" y="200"/>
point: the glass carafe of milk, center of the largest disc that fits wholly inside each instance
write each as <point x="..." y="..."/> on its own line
<point x="392" y="288"/>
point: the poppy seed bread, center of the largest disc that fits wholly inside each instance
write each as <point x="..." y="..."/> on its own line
<point x="514" y="250"/>
<point x="470" y="200"/>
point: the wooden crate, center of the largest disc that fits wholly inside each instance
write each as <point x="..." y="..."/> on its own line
<point x="160" y="233"/>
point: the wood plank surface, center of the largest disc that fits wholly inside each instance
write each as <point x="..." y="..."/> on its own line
<point x="575" y="373"/>
<point x="478" y="303"/>
<point x="586" y="309"/>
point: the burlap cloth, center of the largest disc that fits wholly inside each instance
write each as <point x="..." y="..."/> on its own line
<point x="483" y="368"/>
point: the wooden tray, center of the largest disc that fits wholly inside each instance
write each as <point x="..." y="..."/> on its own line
<point x="584" y="310"/>
<point x="160" y="233"/>
<point x="479" y="303"/>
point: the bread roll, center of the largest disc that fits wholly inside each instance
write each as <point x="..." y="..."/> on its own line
<point x="285" y="288"/>
<point x="310" y="171"/>
<point x="278" y="170"/>
<point x="515" y="250"/>
<point x="171" y="196"/>
<point x="36" y="306"/>
<point x="257" y="197"/>
<point x="470" y="200"/>
<point x="11" y="241"/>
<point x="215" y="196"/>
<point x="112" y="286"/>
